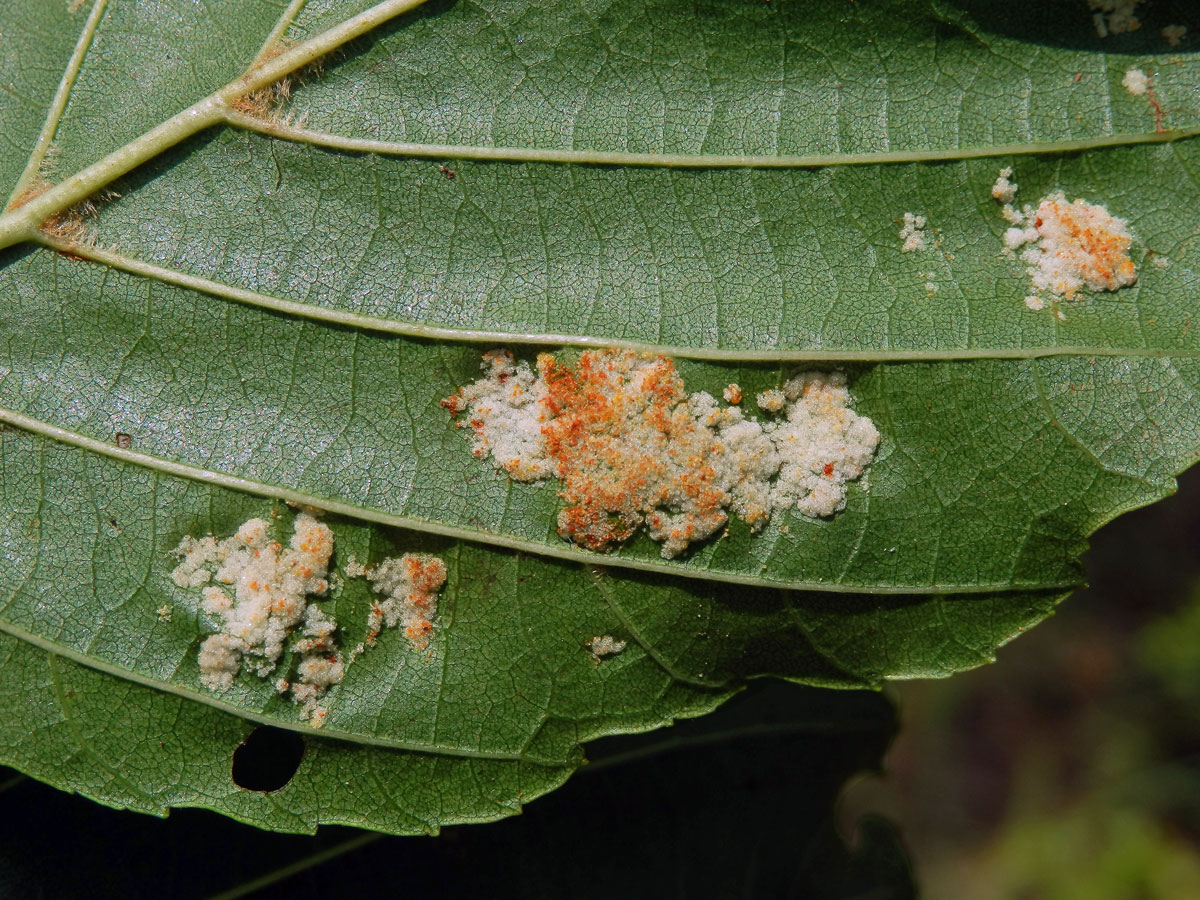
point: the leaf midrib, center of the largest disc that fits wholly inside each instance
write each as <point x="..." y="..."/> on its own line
<point x="58" y="104"/>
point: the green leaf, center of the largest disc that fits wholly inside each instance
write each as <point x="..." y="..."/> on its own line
<point x="41" y="32"/>
<point x="650" y="76"/>
<point x="137" y="748"/>
<point x="86" y="588"/>
<point x="162" y="58"/>
<point x="723" y="264"/>
<point x="794" y="261"/>
<point x="335" y="418"/>
<point x="267" y="298"/>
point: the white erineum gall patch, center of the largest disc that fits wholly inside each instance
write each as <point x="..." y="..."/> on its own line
<point x="1004" y="190"/>
<point x="507" y="414"/>
<point x="634" y="450"/>
<point x="1136" y="82"/>
<point x="912" y="233"/>
<point x="603" y="645"/>
<point x="259" y="599"/>
<point x="1081" y="245"/>
<point x="409" y="586"/>
<point x="257" y="592"/>
<point x="1069" y="246"/>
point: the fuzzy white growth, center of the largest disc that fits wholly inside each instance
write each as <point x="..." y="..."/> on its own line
<point x="1015" y="238"/>
<point x="1081" y="245"/>
<point x="197" y="554"/>
<point x="912" y="233"/>
<point x="1174" y="34"/>
<point x="1114" y="16"/>
<point x="634" y="449"/>
<point x="822" y="445"/>
<point x="1004" y="190"/>
<point x="733" y="394"/>
<point x="1034" y="302"/>
<point x="1014" y="216"/>
<point x="219" y="659"/>
<point x="1136" y="82"/>
<point x="270" y="586"/>
<point x="316" y="674"/>
<point x="603" y="645"/>
<point x="353" y="568"/>
<point x="748" y="461"/>
<point x="1069" y="246"/>
<point x="409" y="586"/>
<point x="506" y="415"/>
<point x="772" y="400"/>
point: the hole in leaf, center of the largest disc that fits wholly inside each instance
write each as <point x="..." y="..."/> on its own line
<point x="267" y="759"/>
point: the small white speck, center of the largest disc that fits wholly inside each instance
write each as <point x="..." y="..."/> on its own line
<point x="1004" y="190"/>
<point x="604" y="645"/>
<point x="913" y="233"/>
<point x="1136" y="82"/>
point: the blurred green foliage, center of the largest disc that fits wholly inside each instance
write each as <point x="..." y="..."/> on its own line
<point x="1070" y="770"/>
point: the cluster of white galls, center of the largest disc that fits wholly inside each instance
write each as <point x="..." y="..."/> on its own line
<point x="508" y="408"/>
<point x="802" y="457"/>
<point x="1061" y="263"/>
<point x="260" y="601"/>
<point x="260" y="598"/>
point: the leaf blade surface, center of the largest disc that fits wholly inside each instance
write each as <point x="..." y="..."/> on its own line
<point x="1009" y="435"/>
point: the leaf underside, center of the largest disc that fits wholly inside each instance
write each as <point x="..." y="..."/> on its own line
<point x="271" y="306"/>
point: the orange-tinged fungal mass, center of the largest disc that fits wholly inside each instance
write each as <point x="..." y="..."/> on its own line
<point x="626" y="445"/>
<point x="410" y="586"/>
<point x="632" y="449"/>
<point x="1069" y="246"/>
<point x="1082" y="245"/>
